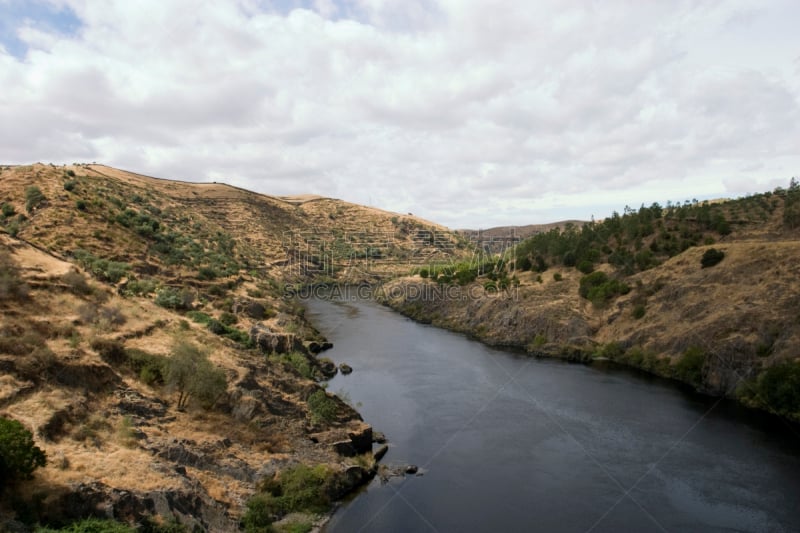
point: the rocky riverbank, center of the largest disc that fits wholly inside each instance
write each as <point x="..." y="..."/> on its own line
<point x="720" y="330"/>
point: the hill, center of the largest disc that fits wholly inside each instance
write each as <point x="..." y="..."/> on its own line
<point x="148" y="345"/>
<point x="637" y="288"/>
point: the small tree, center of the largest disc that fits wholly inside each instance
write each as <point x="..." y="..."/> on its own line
<point x="19" y="456"/>
<point x="192" y="375"/>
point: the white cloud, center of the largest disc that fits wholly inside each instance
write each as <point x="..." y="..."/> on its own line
<point x="470" y="113"/>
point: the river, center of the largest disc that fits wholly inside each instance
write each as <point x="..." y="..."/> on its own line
<point x="510" y="443"/>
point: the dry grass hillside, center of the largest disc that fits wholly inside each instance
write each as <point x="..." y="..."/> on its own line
<point x="634" y="289"/>
<point x="147" y="344"/>
<point x="175" y="228"/>
<point x="86" y="371"/>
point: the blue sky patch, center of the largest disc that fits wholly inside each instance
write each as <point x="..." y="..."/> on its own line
<point x="15" y="14"/>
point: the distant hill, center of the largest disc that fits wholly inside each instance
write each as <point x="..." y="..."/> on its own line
<point x="501" y="238"/>
<point x="523" y="232"/>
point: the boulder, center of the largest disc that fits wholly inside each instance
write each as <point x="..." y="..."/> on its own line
<point x="327" y="368"/>
<point x="380" y="452"/>
<point x="269" y="341"/>
<point x="345" y="368"/>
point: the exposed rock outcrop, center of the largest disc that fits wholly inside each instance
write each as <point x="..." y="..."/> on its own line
<point x="191" y="506"/>
<point x="270" y="341"/>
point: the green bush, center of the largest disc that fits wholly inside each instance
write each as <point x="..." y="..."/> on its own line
<point x="34" y="197"/>
<point x="639" y="311"/>
<point x="80" y="205"/>
<point x="689" y="368"/>
<point x="322" y="407"/>
<point x="149" y="367"/>
<point x="598" y="288"/>
<point x="586" y="266"/>
<point x="207" y="273"/>
<point x="102" y="269"/>
<point x="172" y="298"/>
<point x="778" y="388"/>
<point x="199" y="317"/>
<point x="711" y="257"/>
<point x="19" y="456"/>
<point x="140" y="287"/>
<point x="258" y="516"/>
<point x="70" y="185"/>
<point x="8" y="210"/>
<point x="300" y="363"/>
<point x="216" y="327"/>
<point x="424" y="273"/>
<point x="299" y="488"/>
<point x="227" y="318"/>
<point x="557" y="276"/>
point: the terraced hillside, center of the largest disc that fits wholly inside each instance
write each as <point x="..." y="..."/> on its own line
<point x="177" y="228"/>
<point x="148" y="346"/>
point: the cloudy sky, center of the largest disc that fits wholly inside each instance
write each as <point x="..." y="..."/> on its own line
<point x="472" y="113"/>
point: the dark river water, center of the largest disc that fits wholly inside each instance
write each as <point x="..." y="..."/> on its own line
<point x="511" y="443"/>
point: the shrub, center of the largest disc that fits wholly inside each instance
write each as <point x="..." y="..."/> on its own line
<point x="299" y="488"/>
<point x="12" y="287"/>
<point x="207" y="273"/>
<point x="140" y="287"/>
<point x="149" y="367"/>
<point x="424" y="273"/>
<point x="19" y="456"/>
<point x="322" y="407"/>
<point x="69" y="185"/>
<point x="199" y="317"/>
<point x="228" y="318"/>
<point x="689" y="368"/>
<point x="258" y="516"/>
<point x="102" y="269"/>
<point x="33" y="198"/>
<point x="8" y="210"/>
<point x="638" y="311"/>
<point x="76" y="282"/>
<point x="779" y="388"/>
<point x="557" y="276"/>
<point x="110" y="350"/>
<point x="80" y="205"/>
<point x="598" y="288"/>
<point x="172" y="298"/>
<point x="216" y="327"/>
<point x="300" y="363"/>
<point x="711" y="257"/>
<point x="13" y="228"/>
<point x="586" y="266"/>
